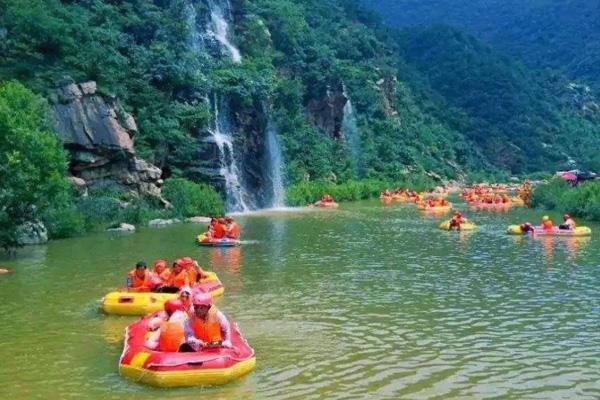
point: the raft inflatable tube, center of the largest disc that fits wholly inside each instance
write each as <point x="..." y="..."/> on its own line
<point x="490" y="206"/>
<point x="122" y="302"/>
<point x="207" y="367"/>
<point x="517" y="201"/>
<point x="438" y="209"/>
<point x="202" y="240"/>
<point x="463" y="227"/>
<point x="320" y="204"/>
<point x="539" y="231"/>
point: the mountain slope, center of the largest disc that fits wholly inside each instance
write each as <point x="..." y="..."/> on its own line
<point x="563" y="35"/>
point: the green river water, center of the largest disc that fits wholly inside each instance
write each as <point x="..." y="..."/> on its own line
<point x="366" y="302"/>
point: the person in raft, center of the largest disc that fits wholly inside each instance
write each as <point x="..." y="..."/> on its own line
<point x="168" y="326"/>
<point x="456" y="221"/>
<point x="326" y="199"/>
<point x="159" y="276"/>
<point x="139" y="279"/>
<point x="568" y="223"/>
<point x="233" y="230"/>
<point x="547" y="224"/>
<point x="526" y="228"/>
<point x="216" y="229"/>
<point x="206" y="325"/>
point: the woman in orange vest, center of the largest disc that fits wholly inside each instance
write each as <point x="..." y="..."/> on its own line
<point x="206" y="324"/>
<point x="179" y="276"/>
<point x="138" y="279"/>
<point x="169" y="334"/>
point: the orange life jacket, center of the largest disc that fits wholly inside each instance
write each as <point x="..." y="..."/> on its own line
<point x="180" y="280"/>
<point x="208" y="330"/>
<point x="547" y="225"/>
<point x="171" y="336"/>
<point x="136" y="282"/>
<point x="218" y="231"/>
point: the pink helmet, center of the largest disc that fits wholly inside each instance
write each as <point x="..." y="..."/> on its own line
<point x="201" y="299"/>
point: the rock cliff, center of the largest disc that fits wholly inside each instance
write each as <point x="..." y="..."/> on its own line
<point x="99" y="138"/>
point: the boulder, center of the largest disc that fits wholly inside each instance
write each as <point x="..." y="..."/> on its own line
<point x="122" y="228"/>
<point x="32" y="233"/>
<point x="98" y="135"/>
<point x="158" y="223"/>
<point x="4" y="271"/>
<point x="198" y="220"/>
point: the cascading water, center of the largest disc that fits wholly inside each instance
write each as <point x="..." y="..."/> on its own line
<point x="219" y="27"/>
<point x="220" y="134"/>
<point x="350" y="130"/>
<point x="275" y="167"/>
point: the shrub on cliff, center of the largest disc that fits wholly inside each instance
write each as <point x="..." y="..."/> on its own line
<point x="32" y="161"/>
<point x="190" y="199"/>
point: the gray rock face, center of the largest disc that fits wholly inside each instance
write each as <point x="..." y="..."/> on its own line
<point x="327" y="113"/>
<point x="32" y="233"/>
<point x="98" y="136"/>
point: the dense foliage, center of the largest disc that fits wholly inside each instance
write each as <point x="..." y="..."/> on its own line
<point x="581" y="201"/>
<point x="562" y="35"/>
<point x="189" y="199"/>
<point x="32" y="162"/>
<point x="517" y="118"/>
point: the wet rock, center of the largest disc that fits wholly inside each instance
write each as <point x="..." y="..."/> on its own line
<point x="98" y="135"/>
<point x="122" y="228"/>
<point x="198" y="220"/>
<point x="4" y="271"/>
<point x="158" y="223"/>
<point x="32" y="233"/>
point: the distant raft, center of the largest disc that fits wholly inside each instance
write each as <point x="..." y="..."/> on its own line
<point x="203" y="240"/>
<point x="467" y="226"/>
<point x="435" y="209"/>
<point x="539" y="231"/>
<point x="207" y="367"/>
<point x="325" y="204"/>
<point x="122" y="302"/>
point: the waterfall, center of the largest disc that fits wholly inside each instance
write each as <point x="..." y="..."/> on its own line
<point x="350" y="130"/>
<point x="275" y="167"/>
<point x="221" y="135"/>
<point x="219" y="27"/>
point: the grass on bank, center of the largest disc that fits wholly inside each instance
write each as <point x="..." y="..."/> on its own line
<point x="582" y="201"/>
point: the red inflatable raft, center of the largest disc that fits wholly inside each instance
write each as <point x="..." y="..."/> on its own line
<point x="210" y="366"/>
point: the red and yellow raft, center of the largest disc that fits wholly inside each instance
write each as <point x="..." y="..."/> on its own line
<point x="203" y="240"/>
<point x="207" y="367"/>
<point x="122" y="302"/>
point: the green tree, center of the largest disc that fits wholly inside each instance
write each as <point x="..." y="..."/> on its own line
<point x="32" y="162"/>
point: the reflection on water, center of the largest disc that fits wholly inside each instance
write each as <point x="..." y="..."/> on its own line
<point x="367" y="301"/>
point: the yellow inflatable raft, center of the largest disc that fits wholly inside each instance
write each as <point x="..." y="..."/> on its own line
<point x="122" y="302"/>
<point x="539" y="231"/>
<point x="467" y="226"/>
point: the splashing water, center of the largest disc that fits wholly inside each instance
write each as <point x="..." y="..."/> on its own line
<point x="219" y="28"/>
<point x="350" y="130"/>
<point x="220" y="134"/>
<point x="275" y="167"/>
